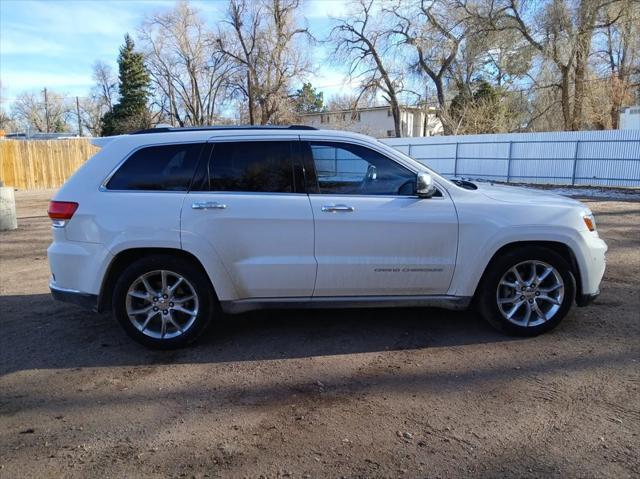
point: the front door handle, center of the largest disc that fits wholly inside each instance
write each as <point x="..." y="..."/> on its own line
<point x="207" y="205"/>
<point x="338" y="208"/>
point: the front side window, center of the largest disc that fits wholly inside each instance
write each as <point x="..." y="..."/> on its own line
<point x="158" y="168"/>
<point x="258" y="166"/>
<point x="346" y="169"/>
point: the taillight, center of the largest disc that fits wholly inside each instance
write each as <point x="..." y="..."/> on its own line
<point x="61" y="211"/>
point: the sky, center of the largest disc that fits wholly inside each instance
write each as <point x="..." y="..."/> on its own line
<point x="54" y="43"/>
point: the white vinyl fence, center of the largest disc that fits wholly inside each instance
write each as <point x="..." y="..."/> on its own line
<point x="596" y="158"/>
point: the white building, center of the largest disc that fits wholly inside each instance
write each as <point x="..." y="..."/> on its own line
<point x="377" y="121"/>
<point x="630" y="118"/>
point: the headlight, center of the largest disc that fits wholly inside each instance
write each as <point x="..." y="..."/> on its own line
<point x="589" y="220"/>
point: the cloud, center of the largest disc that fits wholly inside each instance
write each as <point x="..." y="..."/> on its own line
<point x="70" y="83"/>
<point x="314" y="9"/>
<point x="332" y="81"/>
<point x="76" y="18"/>
<point x="54" y="43"/>
<point x="16" y="42"/>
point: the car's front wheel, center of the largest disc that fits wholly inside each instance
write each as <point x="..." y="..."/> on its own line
<point x="163" y="302"/>
<point x="527" y="291"/>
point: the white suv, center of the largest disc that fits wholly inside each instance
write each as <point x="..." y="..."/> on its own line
<point x="170" y="227"/>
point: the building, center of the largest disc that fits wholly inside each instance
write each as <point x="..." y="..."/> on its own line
<point x="377" y="121"/>
<point x="630" y="118"/>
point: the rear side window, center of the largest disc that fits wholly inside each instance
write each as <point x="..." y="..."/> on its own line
<point x="159" y="168"/>
<point x="255" y="166"/>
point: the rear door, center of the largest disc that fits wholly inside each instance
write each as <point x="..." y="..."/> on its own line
<point x="373" y="235"/>
<point x="248" y="207"/>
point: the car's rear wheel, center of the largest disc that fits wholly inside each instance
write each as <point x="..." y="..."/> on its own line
<point x="527" y="291"/>
<point x="163" y="302"/>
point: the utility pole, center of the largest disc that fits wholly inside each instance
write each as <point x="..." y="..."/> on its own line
<point x="79" y="120"/>
<point x="46" y="109"/>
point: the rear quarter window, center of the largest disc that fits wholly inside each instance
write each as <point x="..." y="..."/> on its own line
<point x="158" y="168"/>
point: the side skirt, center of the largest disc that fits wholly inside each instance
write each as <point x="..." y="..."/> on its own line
<point x="338" y="302"/>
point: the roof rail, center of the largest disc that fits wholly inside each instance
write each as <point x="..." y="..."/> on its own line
<point x="167" y="129"/>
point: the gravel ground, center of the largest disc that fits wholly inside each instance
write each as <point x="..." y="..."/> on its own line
<point x="358" y="393"/>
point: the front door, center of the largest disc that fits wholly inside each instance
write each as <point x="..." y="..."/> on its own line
<point x="373" y="236"/>
<point x="249" y="207"/>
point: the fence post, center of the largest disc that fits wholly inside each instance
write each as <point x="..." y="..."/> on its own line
<point x="509" y="162"/>
<point x="575" y="164"/>
<point x="455" y="162"/>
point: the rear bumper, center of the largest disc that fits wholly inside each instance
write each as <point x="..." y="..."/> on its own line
<point x="77" y="266"/>
<point x="86" y="300"/>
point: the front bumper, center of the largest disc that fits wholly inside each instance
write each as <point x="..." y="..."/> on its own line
<point x="586" y="299"/>
<point x="591" y="257"/>
<point x="86" y="300"/>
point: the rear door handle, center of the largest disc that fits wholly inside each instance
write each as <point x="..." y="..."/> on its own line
<point x="207" y="205"/>
<point x="338" y="208"/>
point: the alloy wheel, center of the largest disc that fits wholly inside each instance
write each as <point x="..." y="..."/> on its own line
<point x="530" y="293"/>
<point x="162" y="304"/>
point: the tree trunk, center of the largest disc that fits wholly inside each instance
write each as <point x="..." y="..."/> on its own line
<point x="565" y="98"/>
<point x="443" y="114"/>
<point x="252" y="119"/>
<point x="395" y="111"/>
<point x="583" y="46"/>
<point x="578" y="99"/>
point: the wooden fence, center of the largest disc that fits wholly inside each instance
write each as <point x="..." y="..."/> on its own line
<point x="40" y="164"/>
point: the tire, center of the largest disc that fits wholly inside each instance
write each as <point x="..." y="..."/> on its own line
<point x="158" y="322"/>
<point x="501" y="292"/>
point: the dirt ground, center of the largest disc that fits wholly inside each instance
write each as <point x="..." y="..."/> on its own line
<point x="358" y="393"/>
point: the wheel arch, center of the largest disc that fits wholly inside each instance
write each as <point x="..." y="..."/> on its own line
<point x="558" y="247"/>
<point x="125" y="257"/>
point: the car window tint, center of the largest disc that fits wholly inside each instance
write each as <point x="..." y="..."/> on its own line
<point x="345" y="169"/>
<point x="160" y="168"/>
<point x="258" y="166"/>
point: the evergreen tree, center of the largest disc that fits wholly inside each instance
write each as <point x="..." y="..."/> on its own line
<point x="478" y="110"/>
<point x="308" y="100"/>
<point x="131" y="112"/>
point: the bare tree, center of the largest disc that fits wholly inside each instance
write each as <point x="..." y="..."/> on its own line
<point x="30" y="110"/>
<point x="190" y="74"/>
<point x="350" y="101"/>
<point x="562" y="33"/>
<point x="242" y="44"/>
<point x="101" y="99"/>
<point x="365" y="44"/>
<point x="7" y="122"/>
<point x="263" y="39"/>
<point x="617" y="55"/>
<point x="105" y="89"/>
<point x="92" y="109"/>
<point x="435" y="30"/>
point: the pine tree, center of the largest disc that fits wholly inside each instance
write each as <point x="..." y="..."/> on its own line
<point x="131" y="112"/>
<point x="308" y="100"/>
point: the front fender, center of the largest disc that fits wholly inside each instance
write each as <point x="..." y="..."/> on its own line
<point x="475" y="255"/>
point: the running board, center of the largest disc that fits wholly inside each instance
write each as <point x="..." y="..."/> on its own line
<point x="445" y="302"/>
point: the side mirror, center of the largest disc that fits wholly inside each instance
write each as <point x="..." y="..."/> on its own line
<point x="424" y="185"/>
